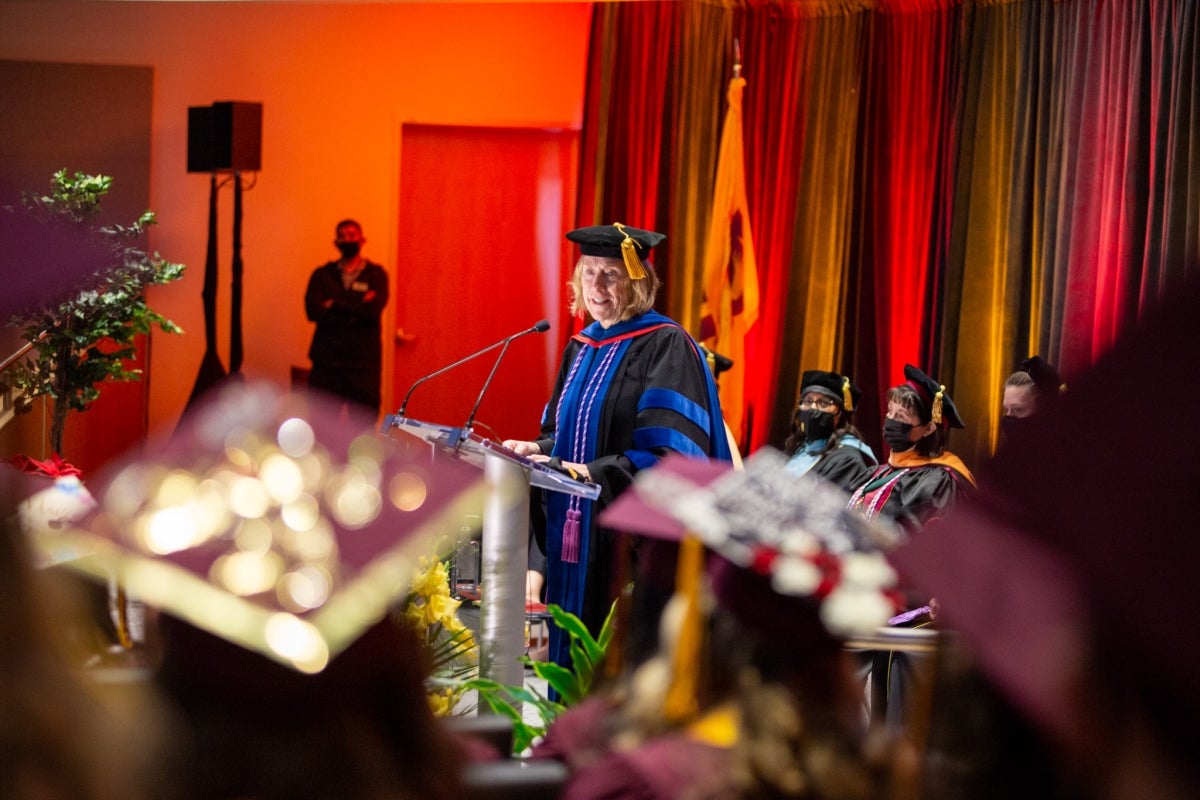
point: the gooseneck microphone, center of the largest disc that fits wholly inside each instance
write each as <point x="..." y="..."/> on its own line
<point x="540" y="327"/>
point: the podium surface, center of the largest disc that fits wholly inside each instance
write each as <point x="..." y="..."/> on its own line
<point x="464" y="444"/>
<point x="505" y="547"/>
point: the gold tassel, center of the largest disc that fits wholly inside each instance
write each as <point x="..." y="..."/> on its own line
<point x="937" y="405"/>
<point x="681" y="703"/>
<point x="633" y="263"/>
<point x="847" y="399"/>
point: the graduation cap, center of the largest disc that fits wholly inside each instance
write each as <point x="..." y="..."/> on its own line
<point x="631" y="245"/>
<point x="1081" y="556"/>
<point x="936" y="401"/>
<point x="831" y="384"/>
<point x="1045" y="377"/>
<point x="53" y="497"/>
<point x="776" y="535"/>
<point x="267" y="521"/>
<point x="716" y="362"/>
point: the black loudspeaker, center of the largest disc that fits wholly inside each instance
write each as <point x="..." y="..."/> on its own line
<point x="225" y="136"/>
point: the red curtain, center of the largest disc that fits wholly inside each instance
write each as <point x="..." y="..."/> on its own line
<point x="952" y="184"/>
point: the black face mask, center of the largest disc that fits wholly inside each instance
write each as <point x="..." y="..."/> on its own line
<point x="896" y="434"/>
<point x="817" y="424"/>
<point x="349" y="249"/>
<point x="1014" y="426"/>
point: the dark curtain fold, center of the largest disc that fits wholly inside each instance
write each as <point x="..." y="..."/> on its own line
<point x="906" y="123"/>
<point x="1172" y="249"/>
<point x="952" y="184"/>
<point x="779" y="55"/>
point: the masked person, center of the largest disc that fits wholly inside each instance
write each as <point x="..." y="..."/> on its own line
<point x="921" y="478"/>
<point x="632" y="387"/>
<point x="823" y="441"/>
<point x="346" y="298"/>
<point x="1029" y="391"/>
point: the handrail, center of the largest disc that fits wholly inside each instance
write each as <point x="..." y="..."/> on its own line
<point x="25" y="348"/>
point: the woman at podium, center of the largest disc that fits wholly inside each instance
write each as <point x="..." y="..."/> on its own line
<point x="632" y="386"/>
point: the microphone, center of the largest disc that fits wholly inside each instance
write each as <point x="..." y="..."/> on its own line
<point x="541" y="327"/>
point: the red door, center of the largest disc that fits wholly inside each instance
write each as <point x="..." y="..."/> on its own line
<point x="482" y="256"/>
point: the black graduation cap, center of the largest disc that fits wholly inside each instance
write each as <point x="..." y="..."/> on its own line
<point x="632" y="245"/>
<point x="1045" y="377"/>
<point x="831" y="384"/>
<point x="716" y="362"/>
<point x="934" y="397"/>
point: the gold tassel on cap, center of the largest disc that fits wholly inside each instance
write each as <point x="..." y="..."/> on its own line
<point x="633" y="263"/>
<point x="847" y="399"/>
<point x="681" y="702"/>
<point x="937" y="404"/>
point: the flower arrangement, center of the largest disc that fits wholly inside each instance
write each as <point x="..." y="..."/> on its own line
<point x="431" y="612"/>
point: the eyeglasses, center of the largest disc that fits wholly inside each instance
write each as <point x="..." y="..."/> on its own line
<point x="822" y="403"/>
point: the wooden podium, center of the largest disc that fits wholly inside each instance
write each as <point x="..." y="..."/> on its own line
<point x="504" y="551"/>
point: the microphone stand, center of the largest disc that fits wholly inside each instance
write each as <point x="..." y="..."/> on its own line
<point x="487" y="383"/>
<point x="446" y="368"/>
<point x="541" y="327"/>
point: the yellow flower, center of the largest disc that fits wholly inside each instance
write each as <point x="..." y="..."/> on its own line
<point x="442" y="609"/>
<point x="442" y="702"/>
<point x="431" y="580"/>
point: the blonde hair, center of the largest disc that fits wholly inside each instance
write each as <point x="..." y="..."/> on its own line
<point x="641" y="292"/>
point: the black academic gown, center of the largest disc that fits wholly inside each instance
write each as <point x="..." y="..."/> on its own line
<point x="624" y="397"/>
<point x="910" y="489"/>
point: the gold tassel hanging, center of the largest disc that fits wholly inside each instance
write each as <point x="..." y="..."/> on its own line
<point x="681" y="703"/>
<point x="633" y="263"/>
<point x="937" y="404"/>
<point x="847" y="398"/>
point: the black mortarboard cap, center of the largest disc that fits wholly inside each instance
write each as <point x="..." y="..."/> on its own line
<point x="1045" y="377"/>
<point x="716" y="362"/>
<point x="934" y="397"/>
<point x="831" y="384"/>
<point x="632" y="245"/>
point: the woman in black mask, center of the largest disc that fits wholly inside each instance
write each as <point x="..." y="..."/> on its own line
<point x="921" y="478"/>
<point x="823" y="441"/>
<point x="1027" y="392"/>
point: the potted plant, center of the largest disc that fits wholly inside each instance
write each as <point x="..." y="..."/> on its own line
<point x="88" y="337"/>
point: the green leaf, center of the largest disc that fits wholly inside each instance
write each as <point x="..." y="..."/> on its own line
<point x="578" y="632"/>
<point x="86" y="339"/>
<point x="561" y="680"/>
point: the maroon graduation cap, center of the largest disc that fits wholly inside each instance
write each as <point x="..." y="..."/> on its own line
<point x="1082" y="552"/>
<point x="794" y="532"/>
<point x="267" y="520"/>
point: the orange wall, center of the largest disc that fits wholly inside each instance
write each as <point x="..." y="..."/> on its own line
<point x="336" y="82"/>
